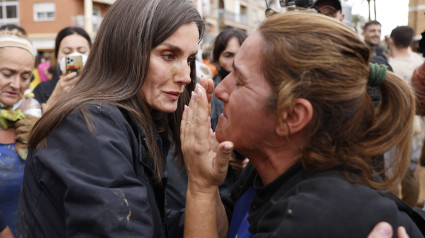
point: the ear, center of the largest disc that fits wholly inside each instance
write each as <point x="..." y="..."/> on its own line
<point x="294" y="118"/>
<point x="342" y="17"/>
<point x="390" y="41"/>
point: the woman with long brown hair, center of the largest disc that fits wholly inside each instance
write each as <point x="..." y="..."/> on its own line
<point x="95" y="164"/>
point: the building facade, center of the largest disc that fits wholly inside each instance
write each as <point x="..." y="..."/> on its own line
<point x="417" y="16"/>
<point x="43" y="19"/>
<point x="221" y="14"/>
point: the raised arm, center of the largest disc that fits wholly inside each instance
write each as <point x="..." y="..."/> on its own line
<point x="206" y="163"/>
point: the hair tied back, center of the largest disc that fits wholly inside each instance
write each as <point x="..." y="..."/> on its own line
<point x="377" y="74"/>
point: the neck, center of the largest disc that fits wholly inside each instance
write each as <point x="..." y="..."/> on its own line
<point x="274" y="161"/>
<point x="400" y="52"/>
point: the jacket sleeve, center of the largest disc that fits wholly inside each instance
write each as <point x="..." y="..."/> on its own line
<point x="102" y="197"/>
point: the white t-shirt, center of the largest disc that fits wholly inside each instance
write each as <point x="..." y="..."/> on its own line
<point x="404" y="67"/>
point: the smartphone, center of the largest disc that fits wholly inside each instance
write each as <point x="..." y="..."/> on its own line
<point x="74" y="64"/>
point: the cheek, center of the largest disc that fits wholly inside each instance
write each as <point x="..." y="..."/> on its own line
<point x="24" y="86"/>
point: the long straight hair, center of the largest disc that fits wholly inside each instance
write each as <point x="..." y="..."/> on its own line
<point x="117" y="68"/>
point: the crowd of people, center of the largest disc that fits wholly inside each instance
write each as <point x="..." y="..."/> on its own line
<point x="292" y="134"/>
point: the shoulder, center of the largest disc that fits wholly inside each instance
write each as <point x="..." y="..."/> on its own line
<point x="331" y="206"/>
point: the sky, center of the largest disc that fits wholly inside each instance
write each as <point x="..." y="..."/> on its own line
<point x="390" y="13"/>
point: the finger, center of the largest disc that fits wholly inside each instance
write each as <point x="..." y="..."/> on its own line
<point x="199" y="116"/>
<point x="183" y="123"/>
<point x="69" y="76"/>
<point x="221" y="161"/>
<point x="208" y="84"/>
<point x="401" y="232"/>
<point x="381" y="230"/>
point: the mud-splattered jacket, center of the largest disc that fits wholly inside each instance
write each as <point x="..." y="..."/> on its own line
<point x="92" y="184"/>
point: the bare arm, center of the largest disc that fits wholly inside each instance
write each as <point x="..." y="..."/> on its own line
<point x="206" y="164"/>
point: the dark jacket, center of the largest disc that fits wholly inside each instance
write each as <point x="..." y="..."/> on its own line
<point x="325" y="204"/>
<point x="92" y="185"/>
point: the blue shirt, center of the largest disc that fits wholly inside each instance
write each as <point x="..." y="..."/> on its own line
<point x="11" y="175"/>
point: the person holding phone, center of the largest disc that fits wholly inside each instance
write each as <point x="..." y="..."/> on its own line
<point x="70" y="42"/>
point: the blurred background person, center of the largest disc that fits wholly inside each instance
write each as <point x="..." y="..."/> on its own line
<point x="206" y="59"/>
<point x="372" y="36"/>
<point x="70" y="41"/>
<point x="330" y="8"/>
<point x="403" y="61"/>
<point x="17" y="115"/>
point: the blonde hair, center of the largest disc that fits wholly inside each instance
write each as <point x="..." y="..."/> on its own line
<point x="307" y="55"/>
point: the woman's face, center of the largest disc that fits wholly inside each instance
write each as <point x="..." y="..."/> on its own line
<point x="73" y="43"/>
<point x="169" y="68"/>
<point x="225" y="60"/>
<point x="16" y="66"/>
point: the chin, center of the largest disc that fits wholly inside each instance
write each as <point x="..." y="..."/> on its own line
<point x="167" y="108"/>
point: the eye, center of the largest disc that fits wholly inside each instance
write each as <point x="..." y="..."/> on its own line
<point x="168" y="57"/>
<point x="67" y="51"/>
<point x="6" y="73"/>
<point x="25" y="77"/>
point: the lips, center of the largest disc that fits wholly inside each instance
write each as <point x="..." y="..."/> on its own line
<point x="11" y="94"/>
<point x="174" y="95"/>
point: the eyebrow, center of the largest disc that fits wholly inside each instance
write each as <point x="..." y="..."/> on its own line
<point x="177" y="49"/>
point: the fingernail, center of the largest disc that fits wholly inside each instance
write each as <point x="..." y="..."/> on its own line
<point x="228" y="147"/>
<point x="384" y="229"/>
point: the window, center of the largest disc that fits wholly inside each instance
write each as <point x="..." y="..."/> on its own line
<point x="9" y="12"/>
<point x="44" y="11"/>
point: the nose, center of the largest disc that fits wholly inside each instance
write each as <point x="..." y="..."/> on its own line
<point x="15" y="82"/>
<point x="225" y="88"/>
<point x="184" y="74"/>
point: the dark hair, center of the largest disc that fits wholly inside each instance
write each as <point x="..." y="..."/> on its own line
<point x="336" y="4"/>
<point x="222" y="40"/>
<point x="70" y="31"/>
<point x="118" y="65"/>
<point x="402" y="36"/>
<point x="11" y="27"/>
<point x="369" y="23"/>
<point x="326" y="63"/>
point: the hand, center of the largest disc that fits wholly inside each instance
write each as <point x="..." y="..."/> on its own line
<point x="206" y="161"/>
<point x="23" y="128"/>
<point x="64" y="85"/>
<point x="238" y="164"/>
<point x="384" y="230"/>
